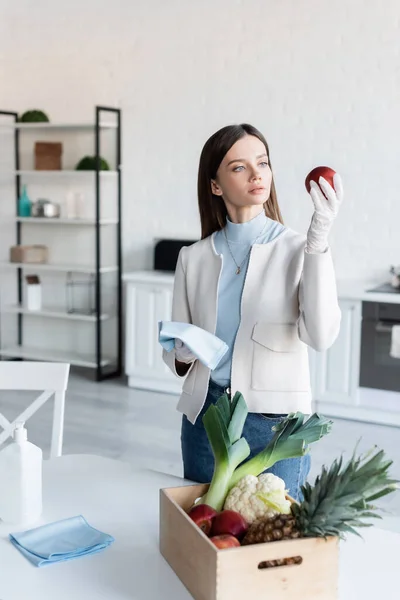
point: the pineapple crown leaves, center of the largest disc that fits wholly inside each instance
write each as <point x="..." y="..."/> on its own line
<point x="341" y="496"/>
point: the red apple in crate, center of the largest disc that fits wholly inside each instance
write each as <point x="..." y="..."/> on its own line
<point x="230" y="522"/>
<point x="224" y="541"/>
<point x="203" y="516"/>
<point x="318" y="172"/>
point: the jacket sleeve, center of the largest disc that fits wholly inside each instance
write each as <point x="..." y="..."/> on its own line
<point x="320" y="315"/>
<point x="180" y="310"/>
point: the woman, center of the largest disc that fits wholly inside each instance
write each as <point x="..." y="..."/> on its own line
<point x="265" y="290"/>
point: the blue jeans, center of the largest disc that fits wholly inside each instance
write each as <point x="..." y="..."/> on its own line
<point x="198" y="459"/>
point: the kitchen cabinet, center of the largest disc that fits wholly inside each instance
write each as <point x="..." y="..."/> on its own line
<point x="336" y="377"/>
<point x="148" y="300"/>
<point x="313" y="360"/>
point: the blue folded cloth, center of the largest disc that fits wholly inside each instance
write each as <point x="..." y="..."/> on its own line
<point x="208" y="348"/>
<point x="60" y="541"/>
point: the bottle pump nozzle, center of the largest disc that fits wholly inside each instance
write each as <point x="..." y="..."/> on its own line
<point x="20" y="432"/>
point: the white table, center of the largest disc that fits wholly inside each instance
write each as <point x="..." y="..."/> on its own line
<point x="124" y="502"/>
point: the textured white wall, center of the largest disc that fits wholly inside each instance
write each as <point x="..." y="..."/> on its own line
<point x="320" y="78"/>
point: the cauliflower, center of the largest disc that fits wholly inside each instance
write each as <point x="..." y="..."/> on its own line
<point x="258" y="497"/>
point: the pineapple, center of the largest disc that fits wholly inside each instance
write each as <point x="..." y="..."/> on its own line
<point x="334" y="506"/>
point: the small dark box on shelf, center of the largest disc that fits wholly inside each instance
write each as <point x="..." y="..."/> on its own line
<point x="48" y="156"/>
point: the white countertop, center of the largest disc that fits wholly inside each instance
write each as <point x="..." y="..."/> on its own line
<point x="149" y="276"/>
<point x="348" y="289"/>
<point x="124" y="502"/>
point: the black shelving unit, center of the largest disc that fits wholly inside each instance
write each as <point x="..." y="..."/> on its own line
<point x="112" y="367"/>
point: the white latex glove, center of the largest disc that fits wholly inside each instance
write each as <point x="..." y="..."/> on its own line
<point x="182" y="352"/>
<point x="326" y="206"/>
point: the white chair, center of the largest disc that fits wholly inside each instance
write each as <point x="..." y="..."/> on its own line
<point x="50" y="377"/>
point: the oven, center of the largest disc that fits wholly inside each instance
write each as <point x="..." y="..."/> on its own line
<point x="377" y="368"/>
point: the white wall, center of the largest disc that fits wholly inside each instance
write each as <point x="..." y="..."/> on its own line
<point x="320" y="78"/>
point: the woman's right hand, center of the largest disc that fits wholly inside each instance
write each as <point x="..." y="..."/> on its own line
<point x="182" y="353"/>
<point x="327" y="201"/>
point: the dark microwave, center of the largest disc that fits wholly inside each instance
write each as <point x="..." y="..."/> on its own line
<point x="166" y="253"/>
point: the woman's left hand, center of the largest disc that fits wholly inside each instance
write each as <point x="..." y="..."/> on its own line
<point x="327" y="201"/>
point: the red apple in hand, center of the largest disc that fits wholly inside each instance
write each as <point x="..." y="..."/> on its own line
<point x="318" y="172"/>
<point x="224" y="541"/>
<point x="229" y="522"/>
<point x="203" y="516"/>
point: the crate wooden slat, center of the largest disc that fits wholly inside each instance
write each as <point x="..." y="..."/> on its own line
<point x="188" y="551"/>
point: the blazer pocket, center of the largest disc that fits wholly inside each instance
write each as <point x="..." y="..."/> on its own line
<point x="188" y="384"/>
<point x="280" y="359"/>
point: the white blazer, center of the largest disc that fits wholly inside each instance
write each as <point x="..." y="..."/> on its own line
<point x="289" y="302"/>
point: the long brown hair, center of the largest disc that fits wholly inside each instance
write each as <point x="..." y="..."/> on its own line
<point x="211" y="207"/>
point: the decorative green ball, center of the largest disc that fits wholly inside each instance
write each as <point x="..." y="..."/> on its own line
<point x="34" y="116"/>
<point x="88" y="163"/>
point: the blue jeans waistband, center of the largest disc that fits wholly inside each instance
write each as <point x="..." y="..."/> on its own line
<point x="216" y="388"/>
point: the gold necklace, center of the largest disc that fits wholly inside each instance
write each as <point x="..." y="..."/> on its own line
<point x="239" y="267"/>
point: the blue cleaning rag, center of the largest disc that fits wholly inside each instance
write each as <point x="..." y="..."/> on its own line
<point x="60" y="541"/>
<point x="208" y="348"/>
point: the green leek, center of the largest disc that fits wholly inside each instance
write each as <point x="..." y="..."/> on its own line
<point x="224" y="422"/>
<point x="291" y="440"/>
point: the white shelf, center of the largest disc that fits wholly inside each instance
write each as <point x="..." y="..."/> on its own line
<point x="74" y="358"/>
<point x="64" y="173"/>
<point x="57" y="126"/>
<point x="63" y="268"/>
<point x="64" y="221"/>
<point x="53" y="313"/>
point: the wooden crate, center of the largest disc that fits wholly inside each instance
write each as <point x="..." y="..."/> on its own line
<point x="48" y="156"/>
<point x="234" y="573"/>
